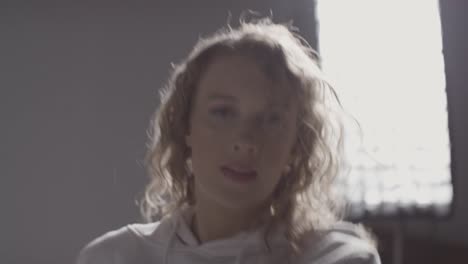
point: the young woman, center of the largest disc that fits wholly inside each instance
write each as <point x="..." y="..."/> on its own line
<point x="245" y="146"/>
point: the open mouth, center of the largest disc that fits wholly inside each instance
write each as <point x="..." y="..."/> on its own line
<point x="241" y="176"/>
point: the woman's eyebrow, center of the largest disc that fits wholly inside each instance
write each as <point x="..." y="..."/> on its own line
<point x="219" y="96"/>
<point x="279" y="106"/>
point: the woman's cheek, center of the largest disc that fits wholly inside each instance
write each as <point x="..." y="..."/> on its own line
<point x="217" y="132"/>
<point x="220" y="126"/>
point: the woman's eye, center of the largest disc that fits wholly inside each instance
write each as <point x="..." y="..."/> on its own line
<point x="222" y="112"/>
<point x="274" y="118"/>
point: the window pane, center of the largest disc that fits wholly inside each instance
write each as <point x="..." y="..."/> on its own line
<point x="385" y="60"/>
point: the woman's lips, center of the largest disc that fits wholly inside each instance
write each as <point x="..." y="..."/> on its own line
<point x="239" y="176"/>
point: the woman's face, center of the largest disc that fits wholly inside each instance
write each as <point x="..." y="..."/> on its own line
<point x="242" y="131"/>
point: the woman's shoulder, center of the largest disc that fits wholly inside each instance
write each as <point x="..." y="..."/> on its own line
<point x="118" y="246"/>
<point x="344" y="242"/>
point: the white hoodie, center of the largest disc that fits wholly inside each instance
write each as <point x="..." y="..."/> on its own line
<point x="171" y="241"/>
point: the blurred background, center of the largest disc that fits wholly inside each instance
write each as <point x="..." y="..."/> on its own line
<point x="79" y="83"/>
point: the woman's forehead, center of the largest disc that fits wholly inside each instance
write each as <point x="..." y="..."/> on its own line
<point x="234" y="76"/>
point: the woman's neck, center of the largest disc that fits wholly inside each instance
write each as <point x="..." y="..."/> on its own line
<point x="211" y="222"/>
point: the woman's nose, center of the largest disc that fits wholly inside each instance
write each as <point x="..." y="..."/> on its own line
<point x="245" y="148"/>
<point x="248" y="139"/>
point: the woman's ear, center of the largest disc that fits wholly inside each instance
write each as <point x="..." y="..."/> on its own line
<point x="188" y="140"/>
<point x="188" y="135"/>
<point x="293" y="152"/>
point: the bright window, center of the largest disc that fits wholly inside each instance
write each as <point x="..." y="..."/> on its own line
<point x="385" y="60"/>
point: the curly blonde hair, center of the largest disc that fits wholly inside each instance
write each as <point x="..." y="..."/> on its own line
<point x="305" y="200"/>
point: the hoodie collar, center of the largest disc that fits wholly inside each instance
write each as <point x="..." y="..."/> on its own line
<point x="233" y="246"/>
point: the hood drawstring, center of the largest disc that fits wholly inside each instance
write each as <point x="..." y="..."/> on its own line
<point x="239" y="258"/>
<point x="171" y="241"/>
<point x="241" y="254"/>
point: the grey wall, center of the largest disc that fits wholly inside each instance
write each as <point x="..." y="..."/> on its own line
<point x="78" y="85"/>
<point x="455" y="41"/>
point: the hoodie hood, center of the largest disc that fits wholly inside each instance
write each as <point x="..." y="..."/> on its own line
<point x="171" y="241"/>
<point x="174" y="233"/>
<point x="247" y="243"/>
